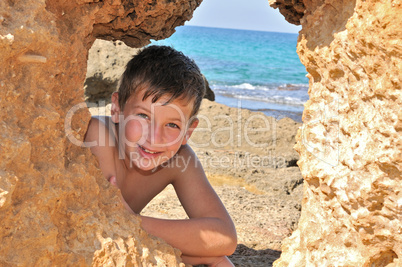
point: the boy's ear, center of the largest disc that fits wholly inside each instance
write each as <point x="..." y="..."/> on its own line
<point x="115" y="110"/>
<point x="190" y="130"/>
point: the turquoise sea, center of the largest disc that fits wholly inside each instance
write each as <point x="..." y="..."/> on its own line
<point x="255" y="70"/>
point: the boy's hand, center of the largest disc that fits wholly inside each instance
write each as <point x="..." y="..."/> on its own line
<point x="209" y="261"/>
<point x="113" y="181"/>
<point x="222" y="262"/>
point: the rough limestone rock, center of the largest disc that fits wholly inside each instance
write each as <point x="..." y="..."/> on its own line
<point x="350" y="144"/>
<point x="106" y="63"/>
<point x="56" y="209"/>
<point x="292" y="10"/>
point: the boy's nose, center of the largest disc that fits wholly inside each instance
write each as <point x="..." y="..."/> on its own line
<point x="156" y="135"/>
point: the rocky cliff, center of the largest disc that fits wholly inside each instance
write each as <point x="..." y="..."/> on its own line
<point x="55" y="207"/>
<point x="350" y="144"/>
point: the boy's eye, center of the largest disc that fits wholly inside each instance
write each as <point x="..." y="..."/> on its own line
<point x="142" y="115"/>
<point x="173" y="125"/>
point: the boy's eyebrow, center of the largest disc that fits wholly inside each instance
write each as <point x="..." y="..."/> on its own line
<point x="141" y="107"/>
<point x="176" y="119"/>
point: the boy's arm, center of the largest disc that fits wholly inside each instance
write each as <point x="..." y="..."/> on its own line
<point x="210" y="230"/>
<point x="98" y="139"/>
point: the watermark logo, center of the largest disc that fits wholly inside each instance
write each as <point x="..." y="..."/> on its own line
<point x="231" y="132"/>
<point x="224" y="130"/>
<point x="321" y="136"/>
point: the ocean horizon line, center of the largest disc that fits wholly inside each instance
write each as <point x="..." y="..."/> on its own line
<point x="235" y="29"/>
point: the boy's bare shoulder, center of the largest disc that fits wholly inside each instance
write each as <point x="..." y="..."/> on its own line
<point x="98" y="130"/>
<point x="186" y="163"/>
<point x="186" y="151"/>
<point x="100" y="139"/>
<point x="187" y="154"/>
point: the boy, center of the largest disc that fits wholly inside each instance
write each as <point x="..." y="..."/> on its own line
<point x="142" y="147"/>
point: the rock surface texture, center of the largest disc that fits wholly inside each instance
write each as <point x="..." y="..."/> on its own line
<point x="350" y="144"/>
<point x="292" y="10"/>
<point x="106" y="63"/>
<point x="56" y="209"/>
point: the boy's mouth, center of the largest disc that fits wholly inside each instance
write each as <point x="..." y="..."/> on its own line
<point x="148" y="151"/>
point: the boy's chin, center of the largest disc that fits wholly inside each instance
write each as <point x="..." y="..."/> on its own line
<point x="152" y="166"/>
<point x="146" y="168"/>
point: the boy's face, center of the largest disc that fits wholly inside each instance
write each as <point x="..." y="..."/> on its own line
<point x="152" y="133"/>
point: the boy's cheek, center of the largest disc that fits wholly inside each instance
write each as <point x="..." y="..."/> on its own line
<point x="136" y="131"/>
<point x="174" y="139"/>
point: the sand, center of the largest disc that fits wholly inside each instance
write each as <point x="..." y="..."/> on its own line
<point x="249" y="159"/>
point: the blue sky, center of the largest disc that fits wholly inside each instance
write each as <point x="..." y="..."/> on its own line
<point x="241" y="14"/>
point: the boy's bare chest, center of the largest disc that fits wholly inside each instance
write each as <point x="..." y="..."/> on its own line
<point x="138" y="189"/>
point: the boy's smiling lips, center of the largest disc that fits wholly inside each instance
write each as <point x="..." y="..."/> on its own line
<point x="148" y="153"/>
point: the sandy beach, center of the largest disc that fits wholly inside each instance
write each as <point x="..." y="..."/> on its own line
<point x="249" y="159"/>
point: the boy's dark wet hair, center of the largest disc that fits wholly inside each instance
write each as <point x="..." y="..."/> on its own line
<point x="160" y="71"/>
